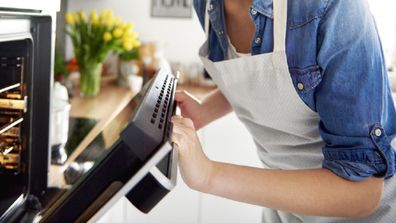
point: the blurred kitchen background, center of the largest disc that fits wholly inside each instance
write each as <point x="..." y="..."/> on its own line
<point x="169" y="39"/>
<point x="177" y="39"/>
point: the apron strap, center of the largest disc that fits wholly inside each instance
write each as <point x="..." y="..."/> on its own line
<point x="207" y="22"/>
<point x="280" y="24"/>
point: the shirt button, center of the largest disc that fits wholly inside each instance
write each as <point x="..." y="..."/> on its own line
<point x="253" y="11"/>
<point x="257" y="40"/>
<point x="210" y="8"/>
<point x="300" y="86"/>
<point x="378" y="132"/>
<point x="221" y="32"/>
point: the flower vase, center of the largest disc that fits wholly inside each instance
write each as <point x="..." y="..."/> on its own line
<point x="90" y="78"/>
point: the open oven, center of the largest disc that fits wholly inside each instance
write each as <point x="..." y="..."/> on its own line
<point x="136" y="160"/>
<point x="25" y="83"/>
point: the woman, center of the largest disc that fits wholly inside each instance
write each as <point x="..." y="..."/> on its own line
<point x="308" y="80"/>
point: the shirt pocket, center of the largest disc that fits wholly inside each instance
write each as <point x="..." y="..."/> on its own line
<point x="305" y="80"/>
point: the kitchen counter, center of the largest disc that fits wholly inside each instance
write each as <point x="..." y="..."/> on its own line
<point x="102" y="108"/>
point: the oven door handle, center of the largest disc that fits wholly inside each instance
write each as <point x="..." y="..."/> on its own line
<point x="168" y="182"/>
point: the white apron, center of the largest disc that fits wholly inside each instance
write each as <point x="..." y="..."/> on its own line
<point x="284" y="128"/>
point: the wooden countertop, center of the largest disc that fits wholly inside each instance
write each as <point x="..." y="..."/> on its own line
<point x="103" y="107"/>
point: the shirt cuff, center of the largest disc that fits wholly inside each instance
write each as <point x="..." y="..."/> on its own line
<point x="359" y="164"/>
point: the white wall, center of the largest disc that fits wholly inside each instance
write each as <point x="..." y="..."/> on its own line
<point x="180" y="39"/>
<point x="384" y="12"/>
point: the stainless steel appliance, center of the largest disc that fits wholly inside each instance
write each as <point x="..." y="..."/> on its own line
<point x="137" y="161"/>
<point x="25" y="83"/>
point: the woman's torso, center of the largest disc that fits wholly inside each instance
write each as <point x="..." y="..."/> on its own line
<point x="300" y="52"/>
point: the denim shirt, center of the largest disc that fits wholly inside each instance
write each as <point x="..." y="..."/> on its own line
<point x="335" y="58"/>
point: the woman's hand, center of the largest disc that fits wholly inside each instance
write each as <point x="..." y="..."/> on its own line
<point x="195" y="167"/>
<point x="190" y="108"/>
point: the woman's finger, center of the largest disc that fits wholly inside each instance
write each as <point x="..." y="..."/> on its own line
<point x="176" y="147"/>
<point x="183" y="129"/>
<point x="179" y="130"/>
<point x="176" y="138"/>
<point x="183" y="121"/>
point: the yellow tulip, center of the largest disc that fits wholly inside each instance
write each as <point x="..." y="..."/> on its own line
<point x="134" y="35"/>
<point x="76" y="18"/>
<point x="117" y="33"/>
<point x="105" y="15"/>
<point x="126" y="39"/>
<point x="128" y="45"/>
<point x="129" y="26"/>
<point x="107" y="36"/>
<point x="127" y="33"/>
<point x="69" y="17"/>
<point x="96" y="23"/>
<point x="130" y="35"/>
<point x="117" y="20"/>
<point x="102" y="15"/>
<point x="93" y="16"/>
<point x="110" y="13"/>
<point x="82" y="16"/>
<point x="122" y="25"/>
<point x="109" y="22"/>
<point x="136" y="43"/>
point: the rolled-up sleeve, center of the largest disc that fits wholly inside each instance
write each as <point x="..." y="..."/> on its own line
<point x="354" y="102"/>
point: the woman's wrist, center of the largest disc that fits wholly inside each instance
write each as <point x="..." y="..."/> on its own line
<point x="204" y="184"/>
<point x="214" y="106"/>
<point x="204" y="116"/>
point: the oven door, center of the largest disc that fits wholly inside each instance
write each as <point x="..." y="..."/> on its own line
<point x="119" y="173"/>
<point x="116" y="172"/>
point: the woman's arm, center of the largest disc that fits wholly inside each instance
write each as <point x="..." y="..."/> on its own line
<point x="309" y="192"/>
<point x="212" y="107"/>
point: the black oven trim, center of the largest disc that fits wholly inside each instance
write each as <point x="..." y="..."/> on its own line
<point x="38" y="84"/>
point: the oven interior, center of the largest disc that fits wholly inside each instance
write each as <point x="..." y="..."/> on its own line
<point x="25" y="92"/>
<point x="14" y="121"/>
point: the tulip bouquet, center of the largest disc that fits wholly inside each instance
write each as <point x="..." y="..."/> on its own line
<point x="93" y="39"/>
